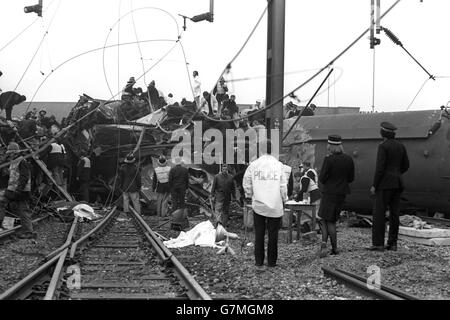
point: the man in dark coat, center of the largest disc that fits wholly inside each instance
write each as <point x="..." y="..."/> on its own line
<point x="392" y="162"/>
<point x="8" y="100"/>
<point x="130" y="177"/>
<point x="222" y="191"/>
<point x="84" y="176"/>
<point x="178" y="182"/>
<point x="338" y="171"/>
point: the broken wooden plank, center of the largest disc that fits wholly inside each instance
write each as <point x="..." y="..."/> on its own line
<point x="426" y="241"/>
<point x="424" y="233"/>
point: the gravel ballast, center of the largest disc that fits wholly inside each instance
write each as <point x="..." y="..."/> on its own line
<point x="416" y="269"/>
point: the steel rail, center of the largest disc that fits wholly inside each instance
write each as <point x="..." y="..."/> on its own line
<point x="194" y="290"/>
<point x="360" y="284"/>
<point x="67" y="244"/>
<point x="100" y="226"/>
<point x="56" y="277"/>
<point x="23" y="288"/>
<point x="10" y="232"/>
<point x="383" y="287"/>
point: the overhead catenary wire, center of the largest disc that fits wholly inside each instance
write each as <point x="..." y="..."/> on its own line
<point x="397" y="41"/>
<point x="418" y="92"/>
<point x="309" y="102"/>
<point x="85" y="53"/>
<point x="277" y="101"/>
<point x="118" y="21"/>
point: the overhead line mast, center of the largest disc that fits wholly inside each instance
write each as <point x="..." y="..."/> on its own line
<point x="275" y="65"/>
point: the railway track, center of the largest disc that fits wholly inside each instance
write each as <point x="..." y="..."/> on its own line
<point x="121" y="258"/>
<point x="359" y="284"/>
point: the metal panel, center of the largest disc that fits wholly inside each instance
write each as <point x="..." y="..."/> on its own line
<point x="413" y="124"/>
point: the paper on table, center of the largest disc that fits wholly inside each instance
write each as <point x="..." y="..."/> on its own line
<point x="295" y="202"/>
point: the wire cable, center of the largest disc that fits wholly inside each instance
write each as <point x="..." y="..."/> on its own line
<point x="418" y="92"/>
<point x="312" y="77"/>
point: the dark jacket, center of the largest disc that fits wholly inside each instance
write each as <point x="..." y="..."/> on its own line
<point x="178" y="178"/>
<point x="392" y="162"/>
<point x="8" y="100"/>
<point x="130" y="177"/>
<point x="338" y="171"/>
<point x="223" y="187"/>
<point x="83" y="172"/>
<point x="27" y="128"/>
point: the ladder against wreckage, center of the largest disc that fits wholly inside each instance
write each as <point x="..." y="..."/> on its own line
<point x="42" y="165"/>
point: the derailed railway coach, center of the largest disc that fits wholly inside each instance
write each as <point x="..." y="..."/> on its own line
<point x="425" y="134"/>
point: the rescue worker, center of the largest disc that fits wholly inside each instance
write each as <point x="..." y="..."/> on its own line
<point x="130" y="177"/>
<point x="308" y="185"/>
<point x="128" y="91"/>
<point x="309" y="110"/>
<point x="84" y="176"/>
<point x="4" y="177"/>
<point x="197" y="87"/>
<point x="56" y="156"/>
<point x="18" y="191"/>
<point x="178" y="182"/>
<point x="309" y="171"/>
<point x="392" y="162"/>
<point x="219" y="91"/>
<point x="161" y="186"/>
<point x="209" y="104"/>
<point x="222" y="191"/>
<point x="8" y="100"/>
<point x="338" y="171"/>
<point x="265" y="183"/>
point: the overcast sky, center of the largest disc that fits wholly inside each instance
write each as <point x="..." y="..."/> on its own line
<point x="316" y="31"/>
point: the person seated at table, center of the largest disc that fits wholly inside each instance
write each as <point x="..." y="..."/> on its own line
<point x="308" y="185"/>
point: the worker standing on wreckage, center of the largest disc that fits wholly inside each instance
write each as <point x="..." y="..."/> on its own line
<point x="18" y="192"/>
<point x="161" y="186"/>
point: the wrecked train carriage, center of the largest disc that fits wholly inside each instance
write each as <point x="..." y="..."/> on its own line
<point x="425" y="134"/>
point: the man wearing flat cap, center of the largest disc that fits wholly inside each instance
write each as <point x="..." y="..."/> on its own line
<point x="392" y="162"/>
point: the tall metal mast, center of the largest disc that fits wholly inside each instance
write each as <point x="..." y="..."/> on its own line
<point x="275" y="64"/>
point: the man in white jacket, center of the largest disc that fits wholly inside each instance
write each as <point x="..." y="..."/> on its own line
<point x="266" y="184"/>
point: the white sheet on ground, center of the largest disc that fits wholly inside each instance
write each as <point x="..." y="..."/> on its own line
<point x="85" y="211"/>
<point x="203" y="235"/>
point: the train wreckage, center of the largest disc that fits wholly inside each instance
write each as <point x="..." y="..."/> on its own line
<point x="112" y="130"/>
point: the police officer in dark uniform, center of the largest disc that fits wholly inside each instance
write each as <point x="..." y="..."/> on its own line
<point x="392" y="162"/>
<point x="338" y="171"/>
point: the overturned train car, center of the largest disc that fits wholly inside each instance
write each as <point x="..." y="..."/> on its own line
<point x="425" y="134"/>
